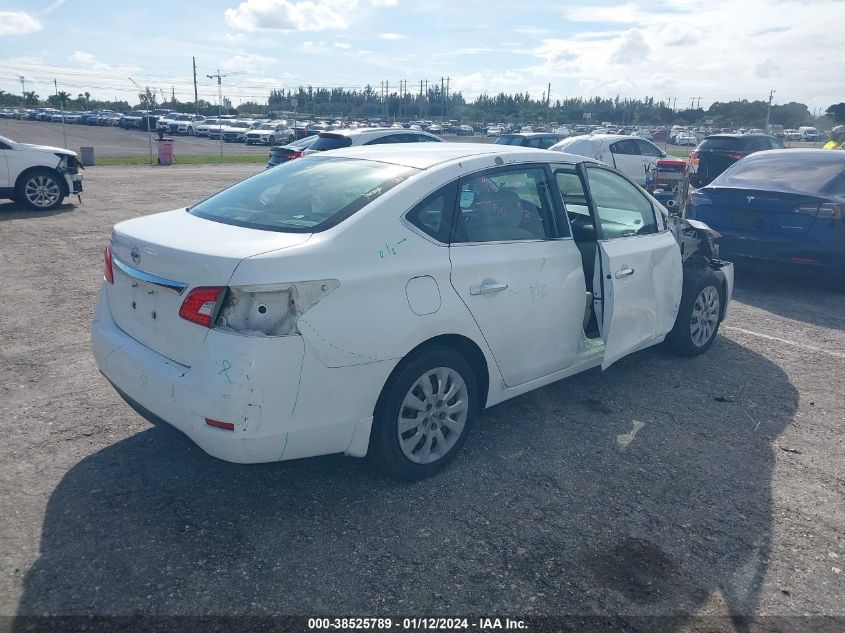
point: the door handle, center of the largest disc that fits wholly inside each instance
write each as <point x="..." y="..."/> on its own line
<point x="624" y="272"/>
<point x="487" y="288"/>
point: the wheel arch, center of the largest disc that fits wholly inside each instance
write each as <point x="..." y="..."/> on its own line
<point x="22" y="176"/>
<point x="464" y="346"/>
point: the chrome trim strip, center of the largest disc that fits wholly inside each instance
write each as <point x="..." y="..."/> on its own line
<point x="176" y="286"/>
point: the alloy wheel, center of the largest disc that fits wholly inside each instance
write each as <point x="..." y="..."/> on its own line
<point x="705" y="316"/>
<point x="42" y="191"/>
<point x="433" y="415"/>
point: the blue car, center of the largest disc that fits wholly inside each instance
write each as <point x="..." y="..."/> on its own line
<point x="784" y="206"/>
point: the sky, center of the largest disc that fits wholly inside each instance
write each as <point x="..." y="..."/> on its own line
<point x="710" y="50"/>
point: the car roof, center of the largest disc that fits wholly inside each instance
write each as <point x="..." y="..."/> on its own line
<point x="366" y="131"/>
<point x="738" y="135"/>
<point x="529" y="134"/>
<point x="426" y="155"/>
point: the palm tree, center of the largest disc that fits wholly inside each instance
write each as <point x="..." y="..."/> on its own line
<point x="30" y="98"/>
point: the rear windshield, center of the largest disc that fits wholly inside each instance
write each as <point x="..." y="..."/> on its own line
<point x="723" y="142"/>
<point x="790" y="170"/>
<point x="330" y="141"/>
<point x="509" y="140"/>
<point x="303" y="196"/>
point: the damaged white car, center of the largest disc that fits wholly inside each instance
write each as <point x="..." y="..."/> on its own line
<point x="373" y="300"/>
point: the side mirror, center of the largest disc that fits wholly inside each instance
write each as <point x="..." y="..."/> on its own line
<point x="467" y="199"/>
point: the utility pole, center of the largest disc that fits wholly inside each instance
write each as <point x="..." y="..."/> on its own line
<point x="64" y="132"/>
<point x="769" y="108"/>
<point x="149" y="130"/>
<point x="448" y="81"/>
<point x="548" y="101"/>
<point x="23" y="88"/>
<point x="196" y="95"/>
<point x="219" y="78"/>
<point x="442" y="101"/>
<point x="426" y="98"/>
<point x="386" y="98"/>
<point x="172" y="96"/>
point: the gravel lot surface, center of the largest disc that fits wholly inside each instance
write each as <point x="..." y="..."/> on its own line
<point x="710" y="486"/>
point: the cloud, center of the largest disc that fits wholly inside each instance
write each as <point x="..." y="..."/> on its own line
<point x="247" y="61"/>
<point x="18" y="23"/>
<point x="383" y="3"/>
<point x="53" y="6"/>
<point x="631" y="49"/>
<point x="392" y="36"/>
<point x="767" y="69"/>
<point x="88" y="60"/>
<point x="530" y="30"/>
<point x="679" y="34"/>
<point x="285" y="15"/>
<point x="342" y="45"/>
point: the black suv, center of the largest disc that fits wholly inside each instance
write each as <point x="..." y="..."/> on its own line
<point x="718" y="152"/>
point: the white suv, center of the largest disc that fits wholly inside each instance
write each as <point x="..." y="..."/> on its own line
<point x="369" y="136"/>
<point x="37" y="176"/>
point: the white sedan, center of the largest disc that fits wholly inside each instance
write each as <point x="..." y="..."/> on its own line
<point x="633" y="156"/>
<point x="374" y="299"/>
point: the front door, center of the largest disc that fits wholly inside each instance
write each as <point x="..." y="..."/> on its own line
<point x="518" y="271"/>
<point x="640" y="266"/>
<point x="628" y="159"/>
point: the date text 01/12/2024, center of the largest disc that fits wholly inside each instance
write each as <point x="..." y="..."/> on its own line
<point x="416" y="624"/>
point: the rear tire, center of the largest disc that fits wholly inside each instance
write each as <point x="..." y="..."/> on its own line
<point x="271" y="140"/>
<point x="424" y="414"/>
<point x="40" y="190"/>
<point x="699" y="315"/>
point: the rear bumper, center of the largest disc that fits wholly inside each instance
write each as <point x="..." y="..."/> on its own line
<point x="792" y="254"/>
<point x="273" y="389"/>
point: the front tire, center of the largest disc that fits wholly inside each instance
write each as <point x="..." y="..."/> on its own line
<point x="40" y="190"/>
<point x="190" y="131"/>
<point x="424" y="414"/>
<point x="271" y="140"/>
<point x="699" y="314"/>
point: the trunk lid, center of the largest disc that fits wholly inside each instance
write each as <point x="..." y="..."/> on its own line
<point x="159" y="258"/>
<point x="757" y="214"/>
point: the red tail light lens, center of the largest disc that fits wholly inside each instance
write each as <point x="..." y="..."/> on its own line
<point x="108" y="273"/>
<point x="293" y="155"/>
<point x="226" y="426"/>
<point x="200" y="306"/>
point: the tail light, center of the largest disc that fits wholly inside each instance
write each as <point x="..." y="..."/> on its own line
<point x="293" y="155"/>
<point x="201" y="304"/>
<point x="217" y="424"/>
<point x="825" y="211"/>
<point x="270" y="310"/>
<point x="108" y="273"/>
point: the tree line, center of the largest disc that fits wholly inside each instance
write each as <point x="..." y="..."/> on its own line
<point x="433" y="102"/>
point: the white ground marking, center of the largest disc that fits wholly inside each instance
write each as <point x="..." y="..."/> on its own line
<point x="785" y="341"/>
